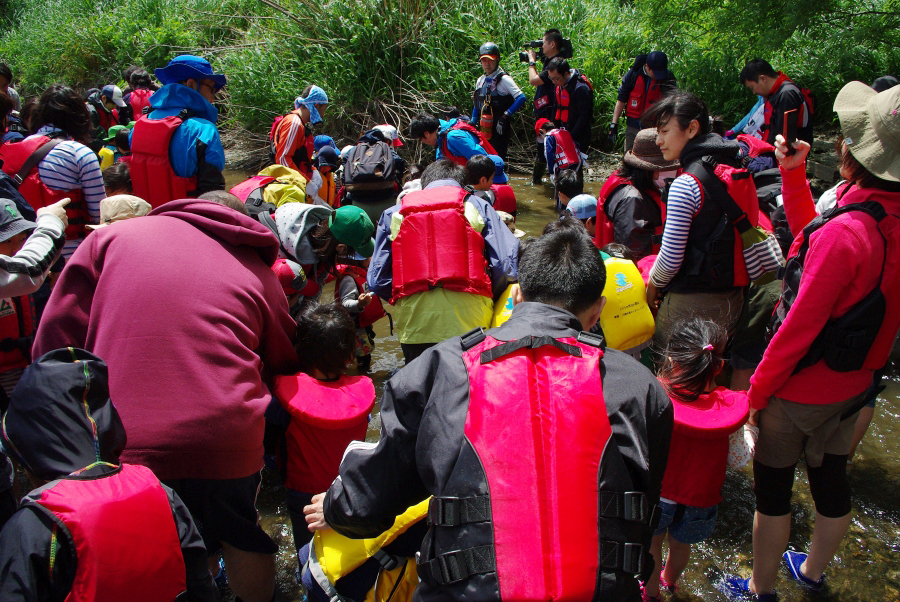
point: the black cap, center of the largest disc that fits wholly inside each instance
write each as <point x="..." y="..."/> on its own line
<point x="659" y="63"/>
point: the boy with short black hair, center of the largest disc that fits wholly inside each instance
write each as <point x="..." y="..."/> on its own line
<point x="568" y="186"/>
<point x="89" y="512"/>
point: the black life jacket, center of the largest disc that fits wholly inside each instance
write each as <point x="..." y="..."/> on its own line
<point x="499" y="102"/>
<point x="845" y="341"/>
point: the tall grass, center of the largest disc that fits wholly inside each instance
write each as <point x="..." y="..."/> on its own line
<point x="385" y="60"/>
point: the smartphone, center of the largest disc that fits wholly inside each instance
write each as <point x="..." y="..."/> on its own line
<point x="790" y="130"/>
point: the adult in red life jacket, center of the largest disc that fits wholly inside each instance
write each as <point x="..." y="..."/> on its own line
<point x="811" y="383"/>
<point x="781" y="95"/>
<point x="291" y="138"/>
<point x="700" y="265"/>
<point x="442" y="256"/>
<point x="552" y="44"/>
<point x="511" y="526"/>
<point x="58" y="165"/>
<point x="455" y="139"/>
<point x="643" y="84"/>
<point x="176" y="150"/>
<point x="496" y="99"/>
<point x="88" y="510"/>
<point x="104" y="106"/>
<point x="138" y="97"/>
<point x="574" y="102"/>
<point x="631" y="198"/>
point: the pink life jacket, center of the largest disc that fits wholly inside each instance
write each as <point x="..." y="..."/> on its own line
<point x="106" y="518"/>
<point x="756" y="146"/>
<point x="152" y="176"/>
<point x="573" y="533"/>
<point x="374" y="311"/>
<point x="437" y="246"/>
<point x="139" y="99"/>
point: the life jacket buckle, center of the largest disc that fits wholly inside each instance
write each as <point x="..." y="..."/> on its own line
<point x="472" y="338"/>
<point x="637" y="506"/>
<point x="590" y="338"/>
<point x="632" y="559"/>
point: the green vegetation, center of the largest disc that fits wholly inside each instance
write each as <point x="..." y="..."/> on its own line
<point x="385" y="60"/>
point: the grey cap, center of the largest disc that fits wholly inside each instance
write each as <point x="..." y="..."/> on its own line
<point x="11" y="220"/>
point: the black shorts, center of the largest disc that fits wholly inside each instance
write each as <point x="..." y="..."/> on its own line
<point x="225" y="510"/>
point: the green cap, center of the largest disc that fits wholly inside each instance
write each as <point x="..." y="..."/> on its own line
<point x="111" y="134"/>
<point x="351" y="226"/>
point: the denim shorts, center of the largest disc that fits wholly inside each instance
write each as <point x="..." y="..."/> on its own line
<point x="693" y="526"/>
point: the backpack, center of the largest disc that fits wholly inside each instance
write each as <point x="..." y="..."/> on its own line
<point x="370" y="166"/>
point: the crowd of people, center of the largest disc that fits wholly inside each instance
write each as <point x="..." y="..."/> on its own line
<point x="569" y="402"/>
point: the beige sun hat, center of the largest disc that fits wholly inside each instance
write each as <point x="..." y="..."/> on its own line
<point x="870" y="122"/>
<point x="118" y="207"/>
<point x="645" y="154"/>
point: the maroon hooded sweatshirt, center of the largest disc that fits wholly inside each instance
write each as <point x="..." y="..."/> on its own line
<point x="183" y="307"/>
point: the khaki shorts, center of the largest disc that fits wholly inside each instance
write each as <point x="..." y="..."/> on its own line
<point x="722" y="307"/>
<point x="788" y="430"/>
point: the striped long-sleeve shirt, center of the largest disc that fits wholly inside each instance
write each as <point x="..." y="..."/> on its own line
<point x="685" y="199"/>
<point x="72" y="166"/>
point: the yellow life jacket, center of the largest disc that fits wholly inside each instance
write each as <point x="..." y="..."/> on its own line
<point x="626" y="318"/>
<point x="503" y="307"/>
<point x="331" y="556"/>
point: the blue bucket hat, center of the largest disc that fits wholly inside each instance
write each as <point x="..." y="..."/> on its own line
<point x="188" y="66"/>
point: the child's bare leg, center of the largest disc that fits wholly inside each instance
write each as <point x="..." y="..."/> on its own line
<point x="677" y="560"/>
<point x="651" y="586"/>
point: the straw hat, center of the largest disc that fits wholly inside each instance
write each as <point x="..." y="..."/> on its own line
<point x="646" y="155"/>
<point x="870" y="122"/>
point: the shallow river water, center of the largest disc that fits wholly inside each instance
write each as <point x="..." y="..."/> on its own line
<point x="867" y="565"/>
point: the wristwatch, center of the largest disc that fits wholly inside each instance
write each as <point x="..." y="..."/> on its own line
<point x="532" y="64"/>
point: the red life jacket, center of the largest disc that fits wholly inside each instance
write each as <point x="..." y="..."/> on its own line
<point x="374" y="311"/>
<point x="804" y="113"/>
<point x="106" y="518"/>
<point x="107" y="119"/>
<point x="605" y="233"/>
<point x="437" y="246"/>
<point x="567" y="155"/>
<point x="139" y="98"/>
<point x="16" y="332"/>
<point x="563" y="98"/>
<point x="465" y="126"/>
<point x="642" y="96"/>
<point x="152" y="176"/>
<point x="325" y="417"/>
<point x="755" y="145"/>
<point x="574" y="532"/>
<point x="14" y="155"/>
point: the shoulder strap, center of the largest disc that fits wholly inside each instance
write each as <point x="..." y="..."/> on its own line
<point x="35" y="158"/>
<point x="704" y="171"/>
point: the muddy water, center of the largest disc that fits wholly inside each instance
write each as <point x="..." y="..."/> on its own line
<point x="867" y="565"/>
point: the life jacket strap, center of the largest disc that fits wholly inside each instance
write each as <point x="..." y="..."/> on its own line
<point x="631" y="558"/>
<point x="453" y="511"/>
<point x="457" y="566"/>
<point x="632" y="506"/>
<point x="388" y="561"/>
<point x="531" y="342"/>
<point x="471" y="338"/>
<point x="21" y="343"/>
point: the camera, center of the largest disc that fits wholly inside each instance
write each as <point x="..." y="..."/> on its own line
<point x="523" y="56"/>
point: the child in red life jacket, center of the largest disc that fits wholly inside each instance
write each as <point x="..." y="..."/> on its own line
<point x="351" y="291"/>
<point x="89" y="512"/>
<point x="328" y="409"/>
<point x="705" y="418"/>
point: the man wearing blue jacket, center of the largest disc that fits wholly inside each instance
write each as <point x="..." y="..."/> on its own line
<point x="436" y="298"/>
<point x="455" y="139"/>
<point x="182" y="112"/>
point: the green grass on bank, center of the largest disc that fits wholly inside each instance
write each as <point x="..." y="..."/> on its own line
<point x="385" y="60"/>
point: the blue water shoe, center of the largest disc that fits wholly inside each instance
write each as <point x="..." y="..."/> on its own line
<point x="734" y="587"/>
<point x="794" y="560"/>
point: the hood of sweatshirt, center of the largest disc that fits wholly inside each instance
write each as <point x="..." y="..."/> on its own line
<point x="225" y="223"/>
<point x="60" y="418"/>
<point x="172" y="98"/>
<point x="724" y="151"/>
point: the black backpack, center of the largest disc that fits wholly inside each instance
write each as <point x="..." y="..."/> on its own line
<point x="370" y="166"/>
